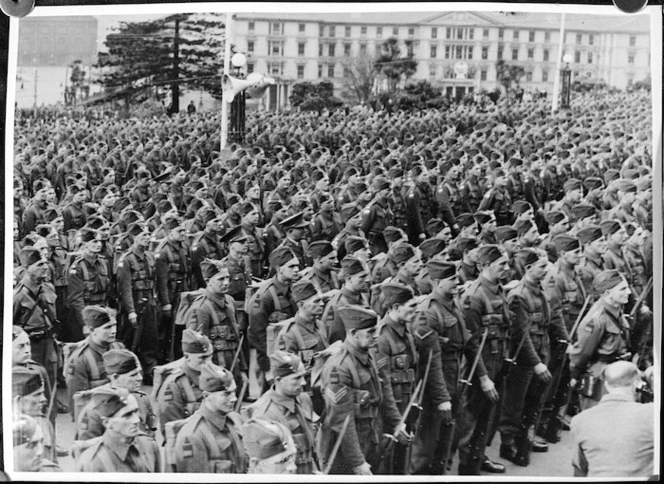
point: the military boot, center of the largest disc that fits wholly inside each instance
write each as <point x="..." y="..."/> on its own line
<point x="523" y="447"/>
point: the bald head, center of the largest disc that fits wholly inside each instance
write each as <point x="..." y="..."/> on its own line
<point x="621" y="374"/>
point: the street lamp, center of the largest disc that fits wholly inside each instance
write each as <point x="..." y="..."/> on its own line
<point x="238" y="106"/>
<point x="566" y="81"/>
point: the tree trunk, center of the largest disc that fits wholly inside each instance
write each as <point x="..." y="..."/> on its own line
<point x="175" y="87"/>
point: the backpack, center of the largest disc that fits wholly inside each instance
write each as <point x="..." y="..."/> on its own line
<point x="81" y="400"/>
<point x="160" y="374"/>
<point x="184" y="315"/>
<point x="171" y="430"/>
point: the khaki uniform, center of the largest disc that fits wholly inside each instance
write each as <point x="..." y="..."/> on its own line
<point x="112" y="454"/>
<point x="179" y="396"/>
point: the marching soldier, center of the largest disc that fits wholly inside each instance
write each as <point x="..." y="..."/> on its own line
<point x="357" y="384"/>
<point x="210" y="440"/>
<point x="122" y="447"/>
<point x="270" y="447"/>
<point x="295" y="227"/>
<point x="286" y="403"/>
<point x="409" y="263"/>
<point x="206" y="245"/>
<point x="498" y="199"/>
<point x="322" y="273"/>
<point x="386" y="266"/>
<point x="593" y="248"/>
<point x="377" y="215"/>
<point x="255" y="247"/>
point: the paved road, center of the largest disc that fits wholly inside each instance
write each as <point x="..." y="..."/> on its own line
<point x="555" y="463"/>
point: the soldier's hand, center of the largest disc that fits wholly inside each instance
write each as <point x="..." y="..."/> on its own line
<point x="572" y="383"/>
<point x="543" y="373"/>
<point x="645" y="311"/>
<point x="133" y="319"/>
<point x="445" y="409"/>
<point x="402" y="435"/>
<point x="166" y="308"/>
<point x="363" y="469"/>
<point x="489" y="388"/>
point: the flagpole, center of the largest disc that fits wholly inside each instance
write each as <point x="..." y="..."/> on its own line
<point x="227" y="65"/>
<point x="556" y="80"/>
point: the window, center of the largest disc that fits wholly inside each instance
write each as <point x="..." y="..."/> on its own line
<point x="448" y="33"/>
<point x="434" y="32"/>
<point x="577" y="56"/>
<point x="347" y="31"/>
<point x="500" y="53"/>
<point x="321" y="31"/>
<point x="531" y="36"/>
<point x="471" y="34"/>
<point x="591" y="39"/>
<point x="459" y="52"/>
<point x="485" y="33"/>
<point x="515" y="54"/>
<point x="485" y="53"/>
<point x="300" y="71"/>
<point x="363" y="30"/>
<point x="432" y="72"/>
<point x="483" y="75"/>
<point x="251" y="26"/>
<point x="579" y="38"/>
<point x="250" y="46"/>
<point x="447" y="51"/>
<point x="529" y="77"/>
<point x="459" y="34"/>
<point x="250" y="67"/>
<point x="395" y="31"/>
<point x="379" y="31"/>
<point x="409" y="49"/>
<point x="346" y="50"/>
<point x="275" y="28"/>
<point x="330" y="50"/>
<point x="515" y="35"/>
<point x="363" y="48"/>
<point x="330" y="70"/>
<point x="531" y="53"/>
<point x="434" y="51"/>
<point x="275" y="48"/>
<point x="632" y="40"/>
<point x="411" y="31"/>
<point x="300" y="28"/>
<point x="300" y="48"/>
<point x="501" y="33"/>
<point x="590" y="57"/>
<point x="320" y="50"/>
<point x="545" y="76"/>
<point x="630" y="59"/>
<point x="547" y="36"/>
<point x="320" y="70"/>
<point x="545" y="56"/>
<point x="333" y="30"/>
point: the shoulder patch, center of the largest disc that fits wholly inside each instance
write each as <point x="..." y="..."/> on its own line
<point x="336" y="397"/>
<point x="334" y="376"/>
<point x="589" y="327"/>
<point x="187" y="449"/>
<point x="423" y="333"/>
<point x="381" y="362"/>
<point x="466" y="303"/>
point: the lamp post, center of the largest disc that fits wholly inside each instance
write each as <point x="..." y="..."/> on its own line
<point x="566" y="82"/>
<point x="238" y="106"/>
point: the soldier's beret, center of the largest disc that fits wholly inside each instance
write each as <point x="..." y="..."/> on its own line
<point x="643" y="184"/>
<point x="50" y="214"/>
<point x="43" y="230"/>
<point x="295" y="221"/>
<point x="529" y="256"/>
<point x="606" y="280"/>
<point x="96" y="316"/>
<point x="24" y="428"/>
<point x="121" y="203"/>
<point x="19" y="335"/>
<point x="211" y="267"/>
<point x="88" y="235"/>
<point x="381" y="183"/>
<point x="523" y="226"/>
<point x="505" y="232"/>
<point x="465" y="220"/>
<point x="521" y="206"/>
<point x="352" y="265"/>
<point x="354" y="243"/>
<point x="194" y="342"/>
<point x="234" y="235"/>
<point x="489" y="253"/>
<point x="25" y="381"/>
<point x="214" y="378"/>
<point x="130" y="216"/>
<point x="205" y="214"/>
<point x="275" y="204"/>
<point x="589" y="234"/>
<point x="431" y="247"/>
<point x="120" y="361"/>
<point x="439" y="269"/>
<point x="357" y="317"/>
<point x="461" y="245"/>
<point x="263" y="439"/>
<point x="96" y="222"/>
<point x="631" y="174"/>
<point x="320" y="248"/>
<point x="572" y="184"/>
<point x="108" y="401"/>
<point x="583" y="210"/>
<point x="611" y="174"/>
<point x="303" y="289"/>
<point x="170" y="223"/>
<point x="246" y="208"/>
<point x="610" y="227"/>
<point x="395" y="293"/>
<point x="285" y="364"/>
<point x="593" y="183"/>
<point x="555" y="216"/>
<point x="435" y="225"/>
<point x="136" y="228"/>
<point x="627" y="186"/>
<point x="348" y="210"/>
<point x="394" y="172"/>
<point x="30" y="255"/>
<point x="402" y="252"/>
<point x="564" y="242"/>
<point x="514" y="162"/>
<point x="280" y="256"/>
<point x="392" y="234"/>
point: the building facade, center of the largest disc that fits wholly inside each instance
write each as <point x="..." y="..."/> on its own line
<point x="57" y="41"/>
<point x="456" y="51"/>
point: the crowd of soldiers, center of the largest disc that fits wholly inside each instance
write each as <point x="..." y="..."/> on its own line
<point x="356" y="292"/>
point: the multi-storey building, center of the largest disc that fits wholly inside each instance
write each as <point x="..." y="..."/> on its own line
<point x="457" y="51"/>
<point x="57" y="41"/>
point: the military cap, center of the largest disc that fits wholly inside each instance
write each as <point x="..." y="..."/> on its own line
<point x="214" y="378"/>
<point x="294" y="222"/>
<point x="589" y="234"/>
<point x="461" y="245"/>
<point x="583" y="210"/>
<point x="348" y="210"/>
<point x="465" y="220"/>
<point x="25" y="381"/>
<point x="194" y="342"/>
<point x="357" y="317"/>
<point x="611" y="174"/>
<point x="234" y="235"/>
<point x="108" y="401"/>
<point x="505" y="232"/>
<point x="205" y="213"/>
<point x="381" y="183"/>
<point x="24" y="428"/>
<point x="431" y="247"/>
<point x="171" y="223"/>
<point x="263" y="439"/>
<point x="121" y="203"/>
<point x="280" y="256"/>
<point x="165" y="175"/>
<point x="631" y="174"/>
<point x="96" y="316"/>
<point x="96" y="222"/>
<point x="593" y="183"/>
<point x="484" y="216"/>
<point x="211" y="267"/>
<point x="50" y="214"/>
<point x="88" y="235"/>
<point x="392" y="234"/>
<point x="142" y="173"/>
<point x="354" y="243"/>
<point x="30" y="255"/>
<point x="396" y="293"/>
<point x="352" y="265"/>
<point x="627" y="186"/>
<point x="320" y="248"/>
<point x="285" y="364"/>
<point x="19" y="334"/>
<point x="529" y="256"/>
<point x="555" y="216"/>
<point x="521" y="206"/>
<point x="606" y="280"/>
<point x="572" y="184"/>
<point x="275" y="204"/>
<point x="303" y="289"/>
<point x="435" y="225"/>
<point x="610" y="227"/>
<point x="630" y="228"/>
<point x="514" y="162"/>
<point x="395" y="172"/>
<point x="136" y="228"/>
<point x="129" y="216"/>
<point x="246" y="208"/>
<point x="523" y="226"/>
<point x="439" y="269"/>
<point x="489" y="253"/>
<point x="402" y="252"/>
<point x="120" y="361"/>
<point x="564" y="242"/>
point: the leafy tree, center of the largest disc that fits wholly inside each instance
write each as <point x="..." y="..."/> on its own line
<point x="182" y="51"/>
<point x="359" y="76"/>
<point x="309" y="96"/>
<point x="509" y="75"/>
<point x="393" y="65"/>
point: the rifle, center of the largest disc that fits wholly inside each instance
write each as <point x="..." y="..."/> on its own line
<point x="138" y="330"/>
<point x="337" y="445"/>
<point x="237" y="354"/>
<point x="642" y="297"/>
<point x="240" y="397"/>
<point x="468" y="382"/>
<point x="416" y="425"/>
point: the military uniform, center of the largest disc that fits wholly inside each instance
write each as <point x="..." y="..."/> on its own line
<point x="326" y="226"/>
<point x="204" y="246"/>
<point x="179" y="396"/>
<point x="324" y="282"/>
<point x="110" y="453"/>
<point x="590" y="266"/>
<point x="89" y="283"/>
<point x="375" y="218"/>
<point x="498" y="200"/>
<point x="256" y="250"/>
<point x="73" y="216"/>
<point x="330" y="318"/>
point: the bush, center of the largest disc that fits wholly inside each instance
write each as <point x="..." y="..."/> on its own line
<point x="148" y="109"/>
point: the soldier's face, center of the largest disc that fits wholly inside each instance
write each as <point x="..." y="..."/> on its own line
<point x="327" y="262"/>
<point x="284" y="182"/>
<point x="109" y="200"/>
<point x="35" y="403"/>
<point x="219" y="282"/>
<point x="290" y="270"/>
<point x="251" y="218"/>
<point x="241" y="247"/>
<point x="572" y="257"/>
<point x="224" y="400"/>
<point x="106" y="333"/>
<point x="531" y="236"/>
<point x="38" y="270"/>
<point x="81" y="197"/>
<point x="538" y="269"/>
<point x="143" y="239"/>
<point x="406" y="312"/>
<point x="291" y="385"/>
<point x="618" y="238"/>
<point x="28" y="457"/>
<point x="314" y="305"/>
<point x="131" y="380"/>
<point x="619" y="293"/>
<point x="449" y="286"/>
<point x="366" y="338"/>
<point x="109" y="177"/>
<point x="253" y="193"/>
<point x="197" y="360"/>
<point x="126" y="421"/>
<point x="598" y="245"/>
<point x="413" y="265"/>
<point x="21" y="349"/>
<point x="93" y="246"/>
<point x="498" y="269"/>
<point x="359" y="282"/>
<point x="177" y="234"/>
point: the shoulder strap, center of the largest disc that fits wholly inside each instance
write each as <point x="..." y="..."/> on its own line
<point x="211" y="442"/>
<point x="275" y="297"/>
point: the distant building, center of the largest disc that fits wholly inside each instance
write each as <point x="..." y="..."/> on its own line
<point x="57" y="41"/>
<point x="456" y="51"/>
